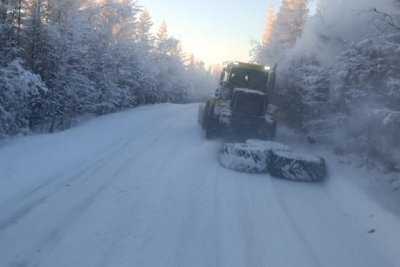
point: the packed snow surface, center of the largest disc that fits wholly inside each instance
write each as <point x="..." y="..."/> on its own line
<point x="269" y="145"/>
<point x="144" y="188"/>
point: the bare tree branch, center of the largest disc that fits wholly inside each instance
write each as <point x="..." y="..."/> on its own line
<point x="386" y="18"/>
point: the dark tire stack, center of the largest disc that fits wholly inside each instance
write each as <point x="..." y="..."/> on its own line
<point x="280" y="161"/>
<point x="296" y="167"/>
<point x="243" y="158"/>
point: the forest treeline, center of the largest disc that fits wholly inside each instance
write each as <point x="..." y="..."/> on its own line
<point x="339" y="74"/>
<point x="60" y="59"/>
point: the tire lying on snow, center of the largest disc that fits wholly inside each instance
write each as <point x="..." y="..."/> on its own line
<point x="244" y="157"/>
<point x="296" y="166"/>
<point x="251" y="157"/>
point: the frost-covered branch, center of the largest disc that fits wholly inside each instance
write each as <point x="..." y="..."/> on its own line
<point x="385" y="18"/>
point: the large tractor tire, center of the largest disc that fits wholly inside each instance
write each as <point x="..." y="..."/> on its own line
<point x="244" y="158"/>
<point x="296" y="167"/>
<point x="210" y="124"/>
<point x="212" y="128"/>
<point x="205" y="114"/>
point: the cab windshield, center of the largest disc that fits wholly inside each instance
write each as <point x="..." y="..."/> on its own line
<point x="252" y="79"/>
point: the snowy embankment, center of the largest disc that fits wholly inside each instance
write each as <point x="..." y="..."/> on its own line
<point x="144" y="188"/>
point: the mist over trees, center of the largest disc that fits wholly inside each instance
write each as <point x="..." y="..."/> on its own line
<point x="339" y="75"/>
<point x="63" y="58"/>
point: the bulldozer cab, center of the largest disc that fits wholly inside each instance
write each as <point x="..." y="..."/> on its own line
<point x="248" y="76"/>
<point x="241" y="102"/>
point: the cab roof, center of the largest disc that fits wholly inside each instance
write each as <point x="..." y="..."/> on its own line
<point x="248" y="66"/>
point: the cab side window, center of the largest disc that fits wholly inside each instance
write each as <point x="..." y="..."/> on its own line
<point x="226" y="76"/>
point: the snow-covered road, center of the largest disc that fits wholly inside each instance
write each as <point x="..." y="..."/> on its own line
<point x="144" y="188"/>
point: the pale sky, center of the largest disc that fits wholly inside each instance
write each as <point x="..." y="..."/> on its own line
<point x="214" y="31"/>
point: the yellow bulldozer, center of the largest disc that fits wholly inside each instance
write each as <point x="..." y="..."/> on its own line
<point x="241" y="105"/>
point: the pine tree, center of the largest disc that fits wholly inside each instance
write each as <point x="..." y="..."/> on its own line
<point x="269" y="25"/>
<point x="300" y="15"/>
<point x="144" y="26"/>
<point x="34" y="33"/>
<point x="20" y="93"/>
<point x="287" y="27"/>
<point x="289" y="22"/>
<point x="162" y="37"/>
<point x="3" y="10"/>
<point x="162" y="31"/>
<point x="63" y="58"/>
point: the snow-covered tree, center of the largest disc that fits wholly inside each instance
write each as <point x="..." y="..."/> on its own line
<point x="339" y="82"/>
<point x="162" y="33"/>
<point x="287" y="27"/>
<point x="85" y="56"/>
<point x="21" y="92"/>
<point x="268" y="25"/>
<point x="145" y="37"/>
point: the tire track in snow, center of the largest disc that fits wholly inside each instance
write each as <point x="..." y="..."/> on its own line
<point x="34" y="198"/>
<point x="170" y="219"/>
<point x="55" y="234"/>
<point x="250" y="219"/>
<point x="293" y="225"/>
<point x="194" y="246"/>
<point x="216" y="217"/>
<point x="125" y="166"/>
<point x="169" y="222"/>
<point x="159" y="198"/>
<point x="155" y="174"/>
